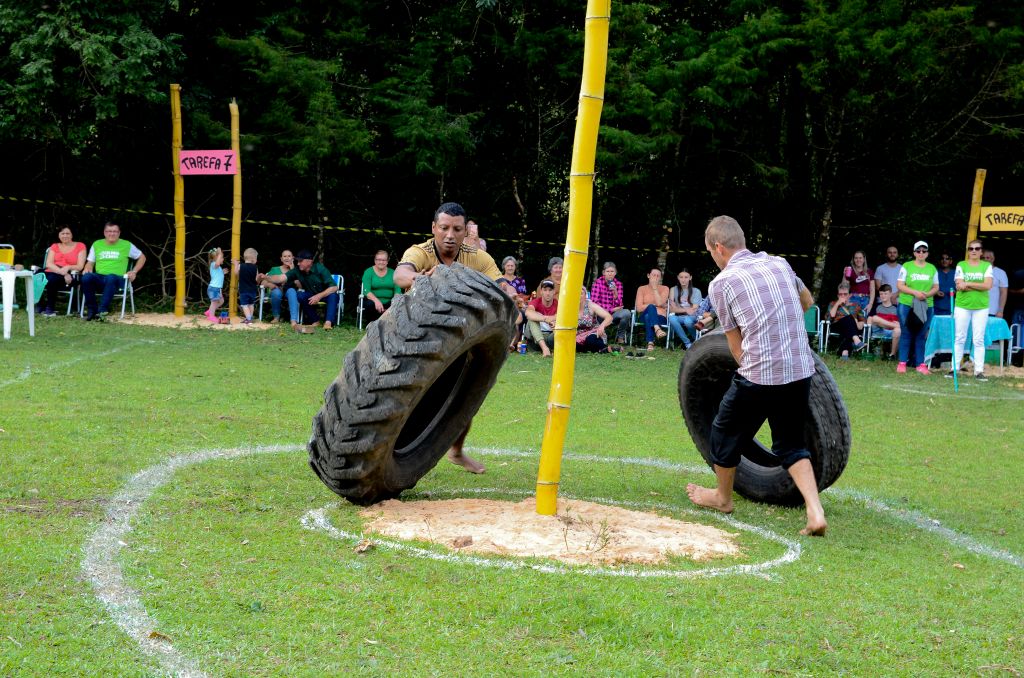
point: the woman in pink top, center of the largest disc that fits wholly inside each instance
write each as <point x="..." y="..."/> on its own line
<point x="652" y="306"/>
<point x="64" y="261"/>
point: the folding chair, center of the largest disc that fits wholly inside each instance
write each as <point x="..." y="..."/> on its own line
<point x="359" y="307"/>
<point x="634" y="322"/>
<point x="340" y="282"/>
<point x="125" y="290"/>
<point x="812" y="323"/>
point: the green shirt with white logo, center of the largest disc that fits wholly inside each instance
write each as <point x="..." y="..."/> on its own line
<point x="972" y="300"/>
<point x="111" y="259"/>
<point x="919" y="278"/>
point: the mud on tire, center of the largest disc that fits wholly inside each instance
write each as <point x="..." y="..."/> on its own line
<point x="704" y="377"/>
<point x="412" y="385"/>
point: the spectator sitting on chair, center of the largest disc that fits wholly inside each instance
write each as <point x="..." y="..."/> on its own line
<point x="946" y="283"/>
<point x="652" y="306"/>
<point x="308" y="284"/>
<point x="106" y="268"/>
<point x="886" y="319"/>
<point x="606" y="292"/>
<point x="684" y="300"/>
<point x="554" y="274"/>
<point x="379" y="288"/>
<point x="540" y="317"/>
<point x="1000" y="286"/>
<point x="591" y="325"/>
<point x="277" y="291"/>
<point x="848" y="319"/>
<point x="63" y="259"/>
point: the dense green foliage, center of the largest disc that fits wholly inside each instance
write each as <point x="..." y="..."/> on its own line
<point x="822" y="126"/>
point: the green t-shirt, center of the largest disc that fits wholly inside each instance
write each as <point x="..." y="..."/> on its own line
<point x="920" y="278"/>
<point x="972" y="300"/>
<point x="315" y="281"/>
<point x="111" y="259"/>
<point x="383" y="287"/>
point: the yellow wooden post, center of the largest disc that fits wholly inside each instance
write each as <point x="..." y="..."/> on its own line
<point x="581" y="191"/>
<point x="236" y="212"/>
<point x="974" y="221"/>
<point x="179" y="203"/>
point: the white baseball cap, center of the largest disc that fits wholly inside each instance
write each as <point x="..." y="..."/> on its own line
<point x="920" y="243"/>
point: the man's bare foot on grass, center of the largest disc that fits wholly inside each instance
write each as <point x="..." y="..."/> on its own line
<point x="815" y="529"/>
<point x="708" y="498"/>
<point x="466" y="462"/>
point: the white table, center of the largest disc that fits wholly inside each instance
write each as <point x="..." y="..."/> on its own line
<point x="7" y="280"/>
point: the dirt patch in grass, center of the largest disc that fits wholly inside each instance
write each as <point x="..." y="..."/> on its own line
<point x="189" y="322"/>
<point x="581" y="533"/>
<point x="76" y="508"/>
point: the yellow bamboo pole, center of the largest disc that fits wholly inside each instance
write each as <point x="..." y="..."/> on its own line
<point x="581" y="192"/>
<point x="179" y="203"/>
<point x="236" y="212"/>
<point x="974" y="221"/>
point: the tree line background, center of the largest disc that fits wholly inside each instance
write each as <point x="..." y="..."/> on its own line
<point x="822" y="126"/>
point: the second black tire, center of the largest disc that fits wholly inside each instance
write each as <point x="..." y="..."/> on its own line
<point x="412" y="385"/>
<point x="704" y="377"/>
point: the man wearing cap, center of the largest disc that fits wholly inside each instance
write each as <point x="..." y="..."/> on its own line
<point x="766" y="336"/>
<point x="918" y="282"/>
<point x="448" y="247"/>
<point x="308" y="283"/>
<point x="540" y="316"/>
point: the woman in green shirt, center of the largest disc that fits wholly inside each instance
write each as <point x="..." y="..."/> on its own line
<point x="378" y="287"/>
<point x="918" y="281"/>
<point x="973" y="279"/>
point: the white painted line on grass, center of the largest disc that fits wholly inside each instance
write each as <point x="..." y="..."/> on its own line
<point x="931" y="525"/>
<point x="950" y="394"/>
<point x="53" y="367"/>
<point x="317" y="520"/>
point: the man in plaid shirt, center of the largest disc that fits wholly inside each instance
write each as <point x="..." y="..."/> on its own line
<point x="606" y="292"/>
<point x="760" y="303"/>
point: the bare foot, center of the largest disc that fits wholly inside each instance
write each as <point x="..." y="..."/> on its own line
<point x="466" y="462"/>
<point x="708" y="498"/>
<point x="815" y="528"/>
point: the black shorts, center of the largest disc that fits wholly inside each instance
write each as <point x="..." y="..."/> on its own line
<point x="247" y="298"/>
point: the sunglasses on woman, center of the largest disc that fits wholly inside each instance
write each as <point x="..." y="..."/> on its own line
<point x="974" y="249"/>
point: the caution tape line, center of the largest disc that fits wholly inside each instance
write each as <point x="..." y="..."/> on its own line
<point x="350" y="229"/>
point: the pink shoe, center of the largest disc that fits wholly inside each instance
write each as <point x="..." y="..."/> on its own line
<point x="923" y="369"/>
<point x="212" y="318"/>
<point x="901" y="368"/>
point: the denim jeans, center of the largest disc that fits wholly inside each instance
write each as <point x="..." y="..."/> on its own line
<point x="684" y="326"/>
<point x="917" y="336"/>
<point x="110" y="283"/>
<point x="311" y="313"/>
<point x="650" y="319"/>
<point x="276" y="295"/>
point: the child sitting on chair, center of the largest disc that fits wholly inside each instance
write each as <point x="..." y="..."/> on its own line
<point x="885" y="320"/>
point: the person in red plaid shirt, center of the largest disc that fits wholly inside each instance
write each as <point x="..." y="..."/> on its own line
<point x="606" y="292"/>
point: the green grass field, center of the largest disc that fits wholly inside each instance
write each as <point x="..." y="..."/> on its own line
<point x="922" y="571"/>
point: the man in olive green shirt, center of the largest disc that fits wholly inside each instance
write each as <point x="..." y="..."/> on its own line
<point x="447" y="247"/>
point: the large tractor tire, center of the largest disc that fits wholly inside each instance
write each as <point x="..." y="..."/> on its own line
<point x="704" y="377"/>
<point x="412" y="385"/>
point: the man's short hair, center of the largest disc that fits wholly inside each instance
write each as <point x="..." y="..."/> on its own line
<point x="726" y="232"/>
<point x="885" y="287"/>
<point x="547" y="283"/>
<point x="452" y="209"/>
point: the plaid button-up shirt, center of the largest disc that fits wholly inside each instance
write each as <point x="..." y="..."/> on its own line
<point x="604" y="295"/>
<point x="760" y="295"/>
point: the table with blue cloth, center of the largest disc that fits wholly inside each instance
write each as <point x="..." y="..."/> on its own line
<point x="940" y="336"/>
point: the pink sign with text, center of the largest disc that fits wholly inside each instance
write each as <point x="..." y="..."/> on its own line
<point x="208" y="162"/>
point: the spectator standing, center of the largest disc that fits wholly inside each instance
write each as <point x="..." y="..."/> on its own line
<point x="277" y="291"/>
<point x="861" y="282"/>
<point x="540" y="317"/>
<point x="973" y="281"/>
<point x="918" y="283"/>
<point x="249" y="278"/>
<point x="1000" y="286"/>
<point x="888" y="273"/>
<point x="379" y="288"/>
<point x="106" y="267"/>
<point x="64" y="259"/>
<point x="946" y="283"/>
<point x="306" y="285"/>
<point x="652" y="306"/>
<point x="215" y="290"/>
<point x="684" y="300"/>
<point x="606" y="292"/>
